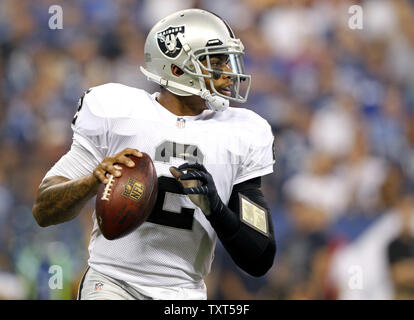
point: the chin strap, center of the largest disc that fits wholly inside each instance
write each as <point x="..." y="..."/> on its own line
<point x="213" y="102"/>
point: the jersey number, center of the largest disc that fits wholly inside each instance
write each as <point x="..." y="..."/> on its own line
<point x="167" y="210"/>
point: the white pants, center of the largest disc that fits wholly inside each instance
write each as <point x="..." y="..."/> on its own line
<point x="96" y="286"/>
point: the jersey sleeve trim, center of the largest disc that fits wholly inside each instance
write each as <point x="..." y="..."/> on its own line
<point x="254" y="174"/>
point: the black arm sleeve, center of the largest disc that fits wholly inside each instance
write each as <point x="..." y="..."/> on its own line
<point x="251" y="250"/>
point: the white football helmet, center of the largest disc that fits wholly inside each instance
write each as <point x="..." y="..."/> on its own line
<point x="186" y="38"/>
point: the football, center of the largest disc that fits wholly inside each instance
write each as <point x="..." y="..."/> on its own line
<point x="125" y="202"/>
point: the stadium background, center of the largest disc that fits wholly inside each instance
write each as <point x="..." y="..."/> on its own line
<point x="340" y="102"/>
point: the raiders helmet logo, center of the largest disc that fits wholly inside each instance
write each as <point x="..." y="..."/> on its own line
<point x="168" y="42"/>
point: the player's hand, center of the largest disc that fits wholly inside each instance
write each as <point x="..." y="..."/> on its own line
<point x="108" y="164"/>
<point x="199" y="185"/>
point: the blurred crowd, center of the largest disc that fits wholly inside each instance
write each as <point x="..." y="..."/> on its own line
<point x="340" y="102"/>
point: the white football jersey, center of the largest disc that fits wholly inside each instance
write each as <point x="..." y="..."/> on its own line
<point x="174" y="248"/>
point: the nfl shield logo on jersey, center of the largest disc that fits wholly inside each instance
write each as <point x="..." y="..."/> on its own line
<point x="168" y="41"/>
<point x="98" y="286"/>
<point x="180" y="123"/>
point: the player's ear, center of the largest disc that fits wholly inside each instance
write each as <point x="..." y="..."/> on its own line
<point x="176" y="71"/>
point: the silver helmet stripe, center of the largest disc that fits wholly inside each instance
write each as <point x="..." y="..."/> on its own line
<point x="225" y="23"/>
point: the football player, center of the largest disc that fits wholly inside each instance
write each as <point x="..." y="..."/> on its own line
<point x="209" y="158"/>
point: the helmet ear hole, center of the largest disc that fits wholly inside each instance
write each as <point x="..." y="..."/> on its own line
<point x="176" y="71"/>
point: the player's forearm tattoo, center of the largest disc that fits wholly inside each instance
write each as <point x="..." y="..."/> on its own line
<point x="63" y="199"/>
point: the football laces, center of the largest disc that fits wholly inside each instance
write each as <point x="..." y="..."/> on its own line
<point x="108" y="187"/>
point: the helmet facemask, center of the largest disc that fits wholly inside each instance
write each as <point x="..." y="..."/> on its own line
<point x="233" y="53"/>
